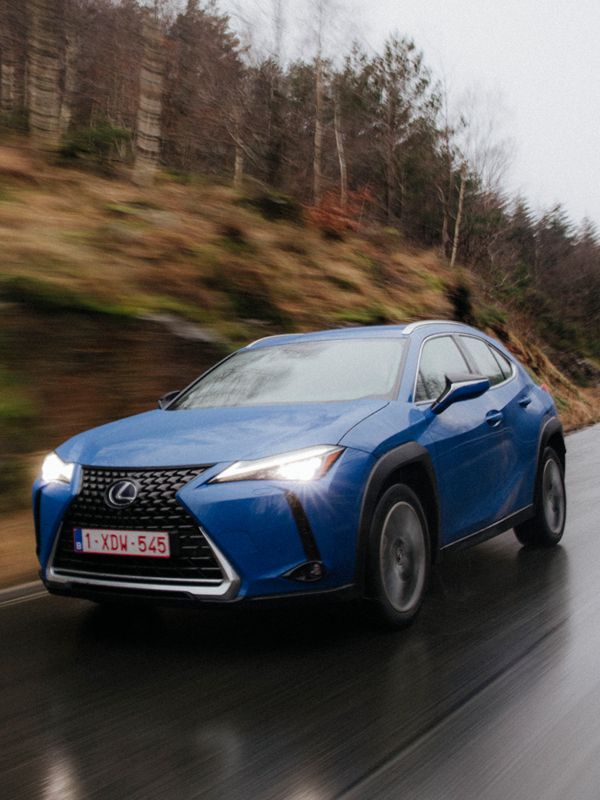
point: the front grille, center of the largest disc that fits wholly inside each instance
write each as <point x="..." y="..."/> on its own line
<point x="155" y="509"/>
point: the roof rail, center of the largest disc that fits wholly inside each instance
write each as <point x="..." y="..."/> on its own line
<point x="256" y="341"/>
<point x="414" y="325"/>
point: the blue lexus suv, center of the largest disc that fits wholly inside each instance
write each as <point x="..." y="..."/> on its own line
<point x="340" y="461"/>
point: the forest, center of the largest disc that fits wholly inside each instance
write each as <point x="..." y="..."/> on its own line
<point x="355" y="138"/>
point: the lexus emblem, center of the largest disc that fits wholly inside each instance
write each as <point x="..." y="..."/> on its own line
<point x="122" y="494"/>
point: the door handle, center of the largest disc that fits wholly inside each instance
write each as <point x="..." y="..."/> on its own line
<point x="525" y="401"/>
<point x="494" y="418"/>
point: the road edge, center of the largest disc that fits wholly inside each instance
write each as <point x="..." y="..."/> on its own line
<point x="22" y="592"/>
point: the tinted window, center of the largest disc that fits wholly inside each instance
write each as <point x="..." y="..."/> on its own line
<point x="505" y="365"/>
<point x="306" y="372"/>
<point x="440" y="357"/>
<point x="484" y="359"/>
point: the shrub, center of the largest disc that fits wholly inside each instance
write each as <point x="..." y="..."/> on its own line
<point x="17" y="120"/>
<point x="333" y="219"/>
<point x="99" y="145"/>
<point x="494" y="318"/>
<point x="46" y="296"/>
<point x="459" y="294"/>
<point x="370" y="315"/>
<point x="275" y="207"/>
<point x="250" y="295"/>
<point x="234" y="239"/>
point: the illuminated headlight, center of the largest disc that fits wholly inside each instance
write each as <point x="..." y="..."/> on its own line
<point x="55" y="470"/>
<point x="302" y="465"/>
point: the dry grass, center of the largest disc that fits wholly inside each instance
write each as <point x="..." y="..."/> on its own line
<point x="17" y="550"/>
<point x="201" y="252"/>
<point x="127" y="245"/>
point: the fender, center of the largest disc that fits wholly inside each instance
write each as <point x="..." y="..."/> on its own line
<point x="549" y="429"/>
<point x="406" y="455"/>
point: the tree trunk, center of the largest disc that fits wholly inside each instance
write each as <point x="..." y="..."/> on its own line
<point x="274" y="132"/>
<point x="13" y="57"/>
<point x="7" y="83"/>
<point x="318" y="143"/>
<point x="446" y="195"/>
<point x="446" y="201"/>
<point x="45" y="62"/>
<point x="390" y="171"/>
<point x="148" y="128"/>
<point x="238" y="168"/>
<point x="390" y="180"/>
<point x="238" y="174"/>
<point x="459" y="213"/>
<point x="445" y="228"/>
<point x="70" y="79"/>
<point x="339" y="141"/>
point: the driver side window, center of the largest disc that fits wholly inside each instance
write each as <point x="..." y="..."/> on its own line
<point x="440" y="356"/>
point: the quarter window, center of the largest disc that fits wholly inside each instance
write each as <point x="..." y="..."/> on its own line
<point x="487" y="361"/>
<point x="505" y="365"/>
<point x="440" y="357"/>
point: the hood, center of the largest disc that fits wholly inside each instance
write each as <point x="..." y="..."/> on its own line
<point x="212" y="435"/>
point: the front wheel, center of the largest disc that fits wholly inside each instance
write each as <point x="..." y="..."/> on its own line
<point x="399" y="557"/>
<point x="546" y="527"/>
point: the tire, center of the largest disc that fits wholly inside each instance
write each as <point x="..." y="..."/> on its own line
<point x="546" y="527"/>
<point x="398" y="558"/>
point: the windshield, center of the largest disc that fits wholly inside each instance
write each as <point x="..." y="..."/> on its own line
<point x="304" y="372"/>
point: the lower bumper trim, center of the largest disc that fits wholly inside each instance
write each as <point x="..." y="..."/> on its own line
<point x="84" y="584"/>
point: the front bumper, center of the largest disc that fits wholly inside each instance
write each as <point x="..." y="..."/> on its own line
<point x="260" y="534"/>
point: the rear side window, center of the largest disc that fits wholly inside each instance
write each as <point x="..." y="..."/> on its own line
<point x="505" y="365"/>
<point x="439" y="357"/>
<point x="488" y="361"/>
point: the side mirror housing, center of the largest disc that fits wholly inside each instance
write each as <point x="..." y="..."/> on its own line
<point x="166" y="399"/>
<point x="460" y="387"/>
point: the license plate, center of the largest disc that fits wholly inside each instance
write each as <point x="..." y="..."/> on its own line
<point x="121" y="543"/>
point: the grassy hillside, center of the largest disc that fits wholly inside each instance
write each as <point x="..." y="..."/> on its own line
<point x="111" y="294"/>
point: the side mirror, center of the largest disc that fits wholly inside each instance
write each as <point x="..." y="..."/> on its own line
<point x="167" y="398"/>
<point x="460" y="387"/>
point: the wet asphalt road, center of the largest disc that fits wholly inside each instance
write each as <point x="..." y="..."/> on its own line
<point x="494" y="693"/>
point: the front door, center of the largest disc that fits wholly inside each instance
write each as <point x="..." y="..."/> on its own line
<point x="468" y="442"/>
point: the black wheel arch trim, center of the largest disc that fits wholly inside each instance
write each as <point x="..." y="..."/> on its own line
<point x="552" y="429"/>
<point x="399" y="458"/>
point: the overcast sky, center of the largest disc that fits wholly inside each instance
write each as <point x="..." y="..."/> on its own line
<point x="544" y="56"/>
<point x="541" y="56"/>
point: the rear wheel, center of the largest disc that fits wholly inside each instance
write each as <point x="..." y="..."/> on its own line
<point x="546" y="527"/>
<point x="399" y="557"/>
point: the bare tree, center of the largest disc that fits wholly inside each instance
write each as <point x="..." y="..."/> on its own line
<point x="484" y="155"/>
<point x="480" y="137"/>
<point x="323" y="14"/>
<point x="445" y="185"/>
<point x="341" y="151"/>
<point x="459" y="213"/>
<point x="320" y="11"/>
<point x="238" y="168"/>
<point x="401" y="86"/>
<point x="148" y="130"/>
<point x="71" y="47"/>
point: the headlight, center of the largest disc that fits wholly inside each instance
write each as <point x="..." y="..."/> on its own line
<point x="302" y="465"/>
<point x="55" y="470"/>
